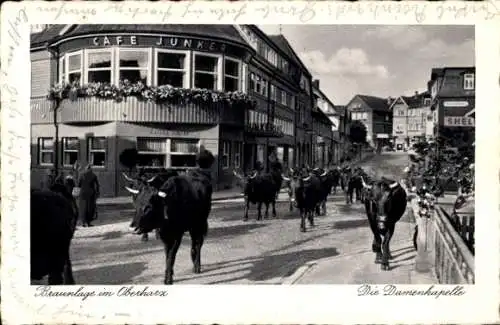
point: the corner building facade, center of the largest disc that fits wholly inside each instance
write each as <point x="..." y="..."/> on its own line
<point x="104" y="62"/>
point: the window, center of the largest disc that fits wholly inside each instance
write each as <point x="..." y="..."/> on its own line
<point x="152" y="152"/>
<point x="283" y="97"/>
<point x="232" y="75"/>
<point x="45" y="151"/>
<point x="74" y="67"/>
<point x="253" y="79"/>
<point x="290" y="157"/>
<point x="183" y="152"/>
<point x="205" y="71"/>
<point x="62" y="69"/>
<point x="237" y="154"/>
<point x="97" y="151"/>
<point x="99" y="66"/>
<point x="70" y="151"/>
<point x="469" y="82"/>
<point x="134" y="65"/>
<point x="226" y="154"/>
<point x="273" y="92"/>
<point x="260" y="152"/>
<point x="171" y="69"/>
<point x="427" y="101"/>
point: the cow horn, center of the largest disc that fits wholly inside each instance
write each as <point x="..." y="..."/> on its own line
<point x="162" y="194"/>
<point x="364" y="184"/>
<point x="291" y="170"/>
<point x="306" y="179"/>
<point x="151" y="179"/>
<point x="127" y="178"/>
<point x="131" y="190"/>
<point x="316" y="169"/>
<point x="324" y="174"/>
<point x="286" y="179"/>
<point x="253" y="176"/>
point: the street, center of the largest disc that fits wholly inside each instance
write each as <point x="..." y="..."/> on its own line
<point x="235" y="252"/>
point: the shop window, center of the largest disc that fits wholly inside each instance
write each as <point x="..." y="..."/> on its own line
<point x="74" y="67"/>
<point x="183" y="152"/>
<point x="152" y="152"/>
<point x="45" y="151"/>
<point x="290" y="157"/>
<point x="280" y="153"/>
<point x="260" y="153"/>
<point x="171" y="68"/>
<point x="232" y="75"/>
<point x="70" y="148"/>
<point x="99" y="67"/>
<point x="226" y="154"/>
<point x="134" y="65"/>
<point x="97" y="151"/>
<point x="205" y="71"/>
<point x="469" y="81"/>
<point x="237" y="154"/>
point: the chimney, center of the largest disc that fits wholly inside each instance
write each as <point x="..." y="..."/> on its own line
<point x="416" y="93"/>
<point x="389" y="100"/>
<point x="316" y="83"/>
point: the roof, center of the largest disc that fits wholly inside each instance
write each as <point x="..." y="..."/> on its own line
<point x="416" y="100"/>
<point x="340" y="109"/>
<point x="437" y="72"/>
<point x="285" y="46"/>
<point x="226" y="32"/>
<point x="375" y="103"/>
<point x="321" y="116"/>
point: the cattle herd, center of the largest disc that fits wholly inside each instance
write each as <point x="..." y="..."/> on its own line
<point x="171" y="204"/>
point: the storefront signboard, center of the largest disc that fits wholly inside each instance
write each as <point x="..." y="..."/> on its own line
<point x="461" y="103"/>
<point x="460" y="121"/>
<point x="174" y="42"/>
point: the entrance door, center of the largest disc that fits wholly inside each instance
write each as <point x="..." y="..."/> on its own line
<point x="249" y="156"/>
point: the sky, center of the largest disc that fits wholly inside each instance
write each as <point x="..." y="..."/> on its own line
<point x="377" y="60"/>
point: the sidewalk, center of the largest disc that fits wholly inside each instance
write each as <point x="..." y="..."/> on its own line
<point x="233" y="193"/>
<point x="358" y="267"/>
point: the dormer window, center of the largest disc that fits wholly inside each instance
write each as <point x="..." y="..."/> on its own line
<point x="469" y="81"/>
<point x="427" y="101"/>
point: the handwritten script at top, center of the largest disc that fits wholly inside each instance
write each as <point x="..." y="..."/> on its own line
<point x="304" y="12"/>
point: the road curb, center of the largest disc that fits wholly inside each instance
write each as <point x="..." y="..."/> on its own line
<point x="301" y="271"/>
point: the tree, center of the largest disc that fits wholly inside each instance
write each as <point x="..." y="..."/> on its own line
<point x="128" y="158"/>
<point x="357" y="132"/>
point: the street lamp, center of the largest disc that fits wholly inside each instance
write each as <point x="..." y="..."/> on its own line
<point x="56" y="102"/>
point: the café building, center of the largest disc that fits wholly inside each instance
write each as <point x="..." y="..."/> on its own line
<point x="166" y="90"/>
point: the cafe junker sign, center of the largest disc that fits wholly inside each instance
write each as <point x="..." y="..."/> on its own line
<point x="159" y="41"/>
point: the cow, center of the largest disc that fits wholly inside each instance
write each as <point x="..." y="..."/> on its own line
<point x="52" y="226"/>
<point x="335" y="177"/>
<point x="326" y="187"/>
<point x="261" y="188"/>
<point x="385" y="204"/>
<point x="306" y="191"/>
<point x="183" y="203"/>
<point x="141" y="188"/>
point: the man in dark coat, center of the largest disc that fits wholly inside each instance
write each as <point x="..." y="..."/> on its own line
<point x="89" y="192"/>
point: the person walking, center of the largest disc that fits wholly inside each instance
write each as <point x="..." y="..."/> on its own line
<point x="89" y="192"/>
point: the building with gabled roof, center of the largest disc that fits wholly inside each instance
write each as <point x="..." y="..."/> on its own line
<point x="375" y="113"/>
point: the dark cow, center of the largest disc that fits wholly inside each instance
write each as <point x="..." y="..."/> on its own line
<point x="53" y="223"/>
<point x="182" y="204"/>
<point x="306" y="191"/>
<point x="326" y="187"/>
<point x="335" y="177"/>
<point x="141" y="189"/>
<point x="352" y="183"/>
<point x="261" y="188"/>
<point x="385" y="204"/>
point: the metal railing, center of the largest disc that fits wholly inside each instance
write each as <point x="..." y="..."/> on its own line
<point x="453" y="260"/>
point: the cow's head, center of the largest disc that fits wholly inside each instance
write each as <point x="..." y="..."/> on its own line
<point x="148" y="208"/>
<point x="296" y="181"/>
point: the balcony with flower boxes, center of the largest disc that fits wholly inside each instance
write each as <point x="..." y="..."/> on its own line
<point x="264" y="130"/>
<point x="140" y="103"/>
